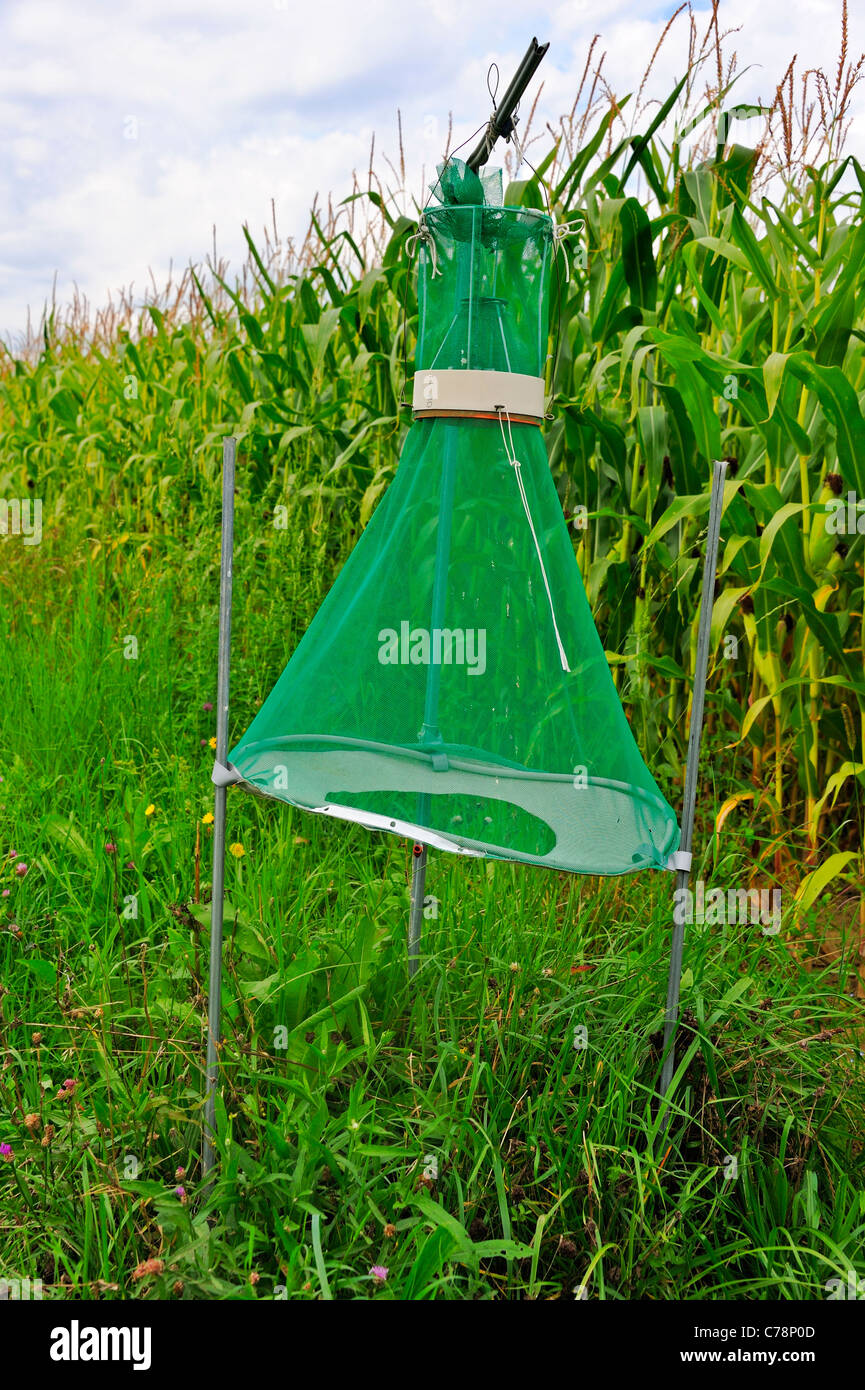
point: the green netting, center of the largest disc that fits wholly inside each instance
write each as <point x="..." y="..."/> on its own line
<point x="453" y="686"/>
<point x="483" y="294"/>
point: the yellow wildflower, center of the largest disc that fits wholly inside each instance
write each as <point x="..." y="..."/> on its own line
<point x="208" y="819"/>
<point x="237" y="850"/>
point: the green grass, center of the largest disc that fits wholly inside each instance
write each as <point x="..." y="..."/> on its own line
<point x="509" y="1162"/>
<point x="504" y="1161"/>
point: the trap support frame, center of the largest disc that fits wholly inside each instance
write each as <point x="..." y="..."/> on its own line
<point x="682" y="858"/>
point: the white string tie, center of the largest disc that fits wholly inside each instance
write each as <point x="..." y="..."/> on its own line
<point x="561" y="231"/>
<point x="510" y="453"/>
<point x="424" y="236"/>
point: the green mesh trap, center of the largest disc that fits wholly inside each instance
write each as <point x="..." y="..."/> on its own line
<point x="452" y="686"/>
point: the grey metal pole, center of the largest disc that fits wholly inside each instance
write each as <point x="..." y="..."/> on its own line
<point x="716" y="505"/>
<point x="415" y="920"/>
<point x="216" y="902"/>
<point x="502" y="120"/>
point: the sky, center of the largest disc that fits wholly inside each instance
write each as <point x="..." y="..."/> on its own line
<point x="130" y="128"/>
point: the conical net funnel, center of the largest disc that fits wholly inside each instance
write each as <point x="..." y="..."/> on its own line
<point x="452" y="687"/>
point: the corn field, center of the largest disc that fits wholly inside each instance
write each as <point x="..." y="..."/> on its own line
<point x="722" y="321"/>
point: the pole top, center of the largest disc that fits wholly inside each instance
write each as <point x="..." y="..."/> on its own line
<point x="503" y="119"/>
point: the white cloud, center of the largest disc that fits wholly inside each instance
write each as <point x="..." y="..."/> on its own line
<point x="233" y="105"/>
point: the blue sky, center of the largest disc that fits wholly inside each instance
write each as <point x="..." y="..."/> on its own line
<point x="131" y="127"/>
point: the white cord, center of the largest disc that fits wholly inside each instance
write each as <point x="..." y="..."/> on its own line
<point x="562" y="230"/>
<point x="426" y="238"/>
<point x="514" y="139"/>
<point x="510" y="454"/>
